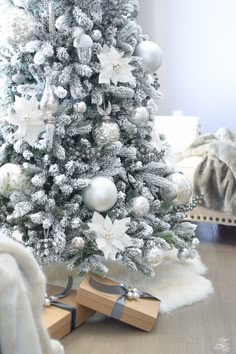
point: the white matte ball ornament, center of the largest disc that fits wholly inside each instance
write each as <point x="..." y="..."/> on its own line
<point x="184" y="254"/>
<point x="151" y="54"/>
<point x="139" y="117"/>
<point x="101" y="195"/>
<point x="140" y="206"/>
<point x="195" y="242"/>
<point x="80" y="107"/>
<point x="154" y="256"/>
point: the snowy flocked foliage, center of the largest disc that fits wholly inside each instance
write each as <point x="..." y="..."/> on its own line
<point x="50" y="211"/>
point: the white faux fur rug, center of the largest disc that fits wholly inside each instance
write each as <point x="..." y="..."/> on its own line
<point x="176" y="283"/>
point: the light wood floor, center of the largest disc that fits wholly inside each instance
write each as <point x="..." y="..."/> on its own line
<point x="193" y="329"/>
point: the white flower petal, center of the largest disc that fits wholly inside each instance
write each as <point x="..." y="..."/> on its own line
<point x="98" y="219"/>
<point x="98" y="229"/>
<point x="101" y="242"/>
<point x="108" y="224"/>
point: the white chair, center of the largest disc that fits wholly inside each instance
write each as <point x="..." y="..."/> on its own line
<point x="180" y="131"/>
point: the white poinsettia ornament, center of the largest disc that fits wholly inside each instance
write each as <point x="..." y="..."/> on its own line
<point x="29" y="119"/>
<point x="110" y="237"/>
<point x="114" y="67"/>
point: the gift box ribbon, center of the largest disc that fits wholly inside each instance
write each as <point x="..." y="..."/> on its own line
<point x="54" y="300"/>
<point x="124" y="292"/>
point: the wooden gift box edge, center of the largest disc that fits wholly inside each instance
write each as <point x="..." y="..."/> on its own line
<point x="104" y="303"/>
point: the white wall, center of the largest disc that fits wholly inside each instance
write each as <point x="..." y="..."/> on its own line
<point x="198" y="75"/>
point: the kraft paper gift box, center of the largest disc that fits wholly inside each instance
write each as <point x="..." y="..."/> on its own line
<point x="141" y="313"/>
<point x="60" y="322"/>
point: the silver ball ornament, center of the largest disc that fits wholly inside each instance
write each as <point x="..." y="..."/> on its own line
<point x="78" y="243"/>
<point x="181" y="191"/>
<point x="80" y="107"/>
<point x="47" y="302"/>
<point x="18" y="78"/>
<point x="96" y="35"/>
<point x="139" y="206"/>
<point x="151" y="54"/>
<point x="195" y="242"/>
<point x="101" y="195"/>
<point x="184" y="254"/>
<point x="139" y="117"/>
<point x="154" y="256"/>
<point x="106" y="133"/>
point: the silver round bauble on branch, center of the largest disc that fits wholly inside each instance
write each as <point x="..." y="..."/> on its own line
<point x="151" y="54"/>
<point x="96" y="35"/>
<point x="195" y="242"/>
<point x="139" y="116"/>
<point x="78" y="243"/>
<point x="106" y="133"/>
<point x="18" y="78"/>
<point x="101" y="195"/>
<point x="154" y="256"/>
<point x="80" y="107"/>
<point x="184" y="254"/>
<point x="181" y="191"/>
<point x="139" y="206"/>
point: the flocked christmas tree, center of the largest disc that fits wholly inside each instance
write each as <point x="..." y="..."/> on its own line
<point x="79" y="176"/>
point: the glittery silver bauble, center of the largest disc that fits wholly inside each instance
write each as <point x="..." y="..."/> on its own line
<point x="151" y="54"/>
<point x="47" y="251"/>
<point x="139" y="117"/>
<point x="195" y="242"/>
<point x="20" y="26"/>
<point x="101" y="195"/>
<point x="78" y="243"/>
<point x="84" y="44"/>
<point x="18" y="78"/>
<point x="106" y="132"/>
<point x="139" y="206"/>
<point x="184" y="254"/>
<point x="80" y="107"/>
<point x="181" y="192"/>
<point x="96" y="35"/>
<point x="154" y="256"/>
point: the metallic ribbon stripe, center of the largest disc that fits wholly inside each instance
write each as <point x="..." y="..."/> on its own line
<point x="121" y="290"/>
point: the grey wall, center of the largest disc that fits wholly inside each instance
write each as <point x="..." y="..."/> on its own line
<point x="198" y="75"/>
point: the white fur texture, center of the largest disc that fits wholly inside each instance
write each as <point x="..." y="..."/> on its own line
<point x="176" y="283"/>
<point x="22" y="289"/>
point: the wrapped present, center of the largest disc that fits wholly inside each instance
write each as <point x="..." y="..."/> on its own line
<point x="64" y="315"/>
<point x="137" y="308"/>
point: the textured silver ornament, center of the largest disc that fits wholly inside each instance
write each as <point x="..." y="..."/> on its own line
<point x="96" y="35"/>
<point x="49" y="105"/>
<point x="184" y="254"/>
<point x="139" y="117"/>
<point x="154" y="256"/>
<point x="80" y="107"/>
<point x="51" y="18"/>
<point x="83" y="45"/>
<point x="139" y="206"/>
<point x="47" y="251"/>
<point x="78" y="243"/>
<point x="101" y="195"/>
<point x="181" y="192"/>
<point x="151" y="54"/>
<point x="106" y="133"/>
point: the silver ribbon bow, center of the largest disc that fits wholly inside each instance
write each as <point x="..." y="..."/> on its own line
<point x="125" y="293"/>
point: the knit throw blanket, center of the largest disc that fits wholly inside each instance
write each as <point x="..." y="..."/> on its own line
<point x="215" y="176"/>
